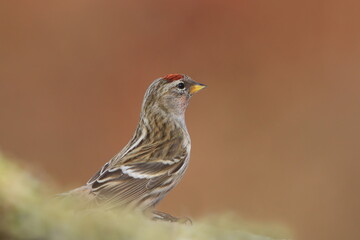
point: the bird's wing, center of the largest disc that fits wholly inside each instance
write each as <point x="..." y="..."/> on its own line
<point x="136" y="175"/>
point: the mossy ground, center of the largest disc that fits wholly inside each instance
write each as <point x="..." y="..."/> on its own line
<point x="28" y="211"/>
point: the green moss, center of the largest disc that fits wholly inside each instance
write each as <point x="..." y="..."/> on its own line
<point x="28" y="211"/>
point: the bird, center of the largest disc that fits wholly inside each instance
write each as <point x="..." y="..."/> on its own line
<point x="155" y="159"/>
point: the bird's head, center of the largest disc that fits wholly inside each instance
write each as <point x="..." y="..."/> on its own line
<point x="171" y="94"/>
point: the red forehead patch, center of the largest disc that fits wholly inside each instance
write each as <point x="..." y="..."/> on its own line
<point x="173" y="77"/>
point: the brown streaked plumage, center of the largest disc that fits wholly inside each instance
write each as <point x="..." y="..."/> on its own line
<point x="156" y="157"/>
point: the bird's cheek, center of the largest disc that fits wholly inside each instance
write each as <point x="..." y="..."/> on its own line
<point x="183" y="102"/>
<point x="177" y="104"/>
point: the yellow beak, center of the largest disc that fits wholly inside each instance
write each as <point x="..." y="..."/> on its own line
<point x="196" y="87"/>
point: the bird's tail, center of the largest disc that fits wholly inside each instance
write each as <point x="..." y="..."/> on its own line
<point x="80" y="192"/>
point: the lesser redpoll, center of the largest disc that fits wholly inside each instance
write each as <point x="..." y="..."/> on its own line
<point x="156" y="157"/>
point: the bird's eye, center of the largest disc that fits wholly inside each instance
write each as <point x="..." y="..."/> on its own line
<point x="181" y="85"/>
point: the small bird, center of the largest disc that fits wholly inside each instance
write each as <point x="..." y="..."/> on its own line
<point x="156" y="157"/>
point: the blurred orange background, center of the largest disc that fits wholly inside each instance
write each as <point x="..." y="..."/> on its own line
<point x="275" y="136"/>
